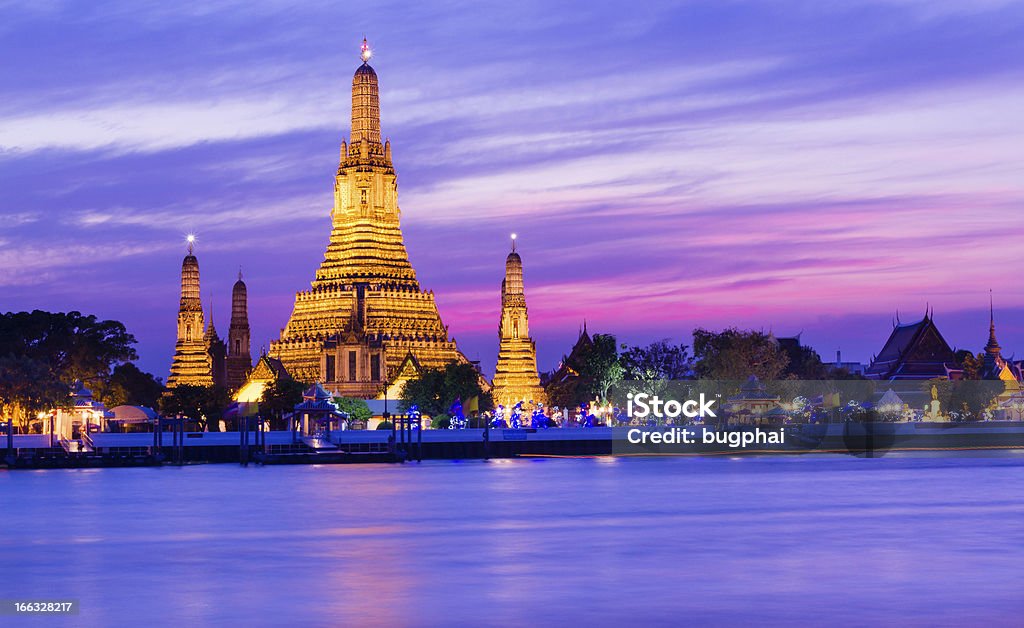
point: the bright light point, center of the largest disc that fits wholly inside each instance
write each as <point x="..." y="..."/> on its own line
<point x="514" y="236"/>
<point x="364" y="51"/>
<point x="191" y="238"/>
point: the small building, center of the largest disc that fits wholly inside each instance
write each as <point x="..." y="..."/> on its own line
<point x="84" y="415"/>
<point x="754" y="405"/>
<point x="318" y="414"/>
<point x="131" y="419"/>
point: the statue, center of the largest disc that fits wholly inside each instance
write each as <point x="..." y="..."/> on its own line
<point x="458" y="418"/>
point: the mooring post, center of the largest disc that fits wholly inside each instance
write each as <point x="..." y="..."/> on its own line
<point x="399" y="421"/>
<point x="393" y="444"/>
<point x="10" y="439"/>
<point x="419" y="442"/>
<point x="409" y="436"/>
<point x="181" y="441"/>
<point x="487" y="438"/>
<point x="244" y="451"/>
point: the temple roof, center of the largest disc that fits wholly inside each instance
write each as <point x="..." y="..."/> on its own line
<point x="913" y="351"/>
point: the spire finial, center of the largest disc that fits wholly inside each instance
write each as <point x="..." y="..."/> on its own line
<point x="364" y="51"/>
<point x="993" y="345"/>
<point x="514" y="236"/>
<point x="239" y="273"/>
<point x="191" y="242"/>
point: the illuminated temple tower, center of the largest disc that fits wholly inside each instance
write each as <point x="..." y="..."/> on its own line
<point x="365" y="321"/>
<point x="515" y="376"/>
<point x="192" y="363"/>
<point x="239" y="360"/>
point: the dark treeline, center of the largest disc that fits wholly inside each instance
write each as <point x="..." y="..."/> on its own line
<point x="43" y="353"/>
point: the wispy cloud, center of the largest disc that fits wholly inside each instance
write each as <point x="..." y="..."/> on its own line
<point x="776" y="164"/>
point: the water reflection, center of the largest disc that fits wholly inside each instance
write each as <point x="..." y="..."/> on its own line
<point x="603" y="541"/>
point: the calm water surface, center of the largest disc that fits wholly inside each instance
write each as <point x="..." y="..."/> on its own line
<point x="770" y="540"/>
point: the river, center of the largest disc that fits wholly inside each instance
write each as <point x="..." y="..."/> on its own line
<point x="899" y="540"/>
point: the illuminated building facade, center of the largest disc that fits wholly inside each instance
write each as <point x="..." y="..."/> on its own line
<point x="515" y="376"/>
<point x="364" y="315"/>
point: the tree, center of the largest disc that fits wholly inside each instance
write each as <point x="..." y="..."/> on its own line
<point x="591" y="369"/>
<point x="970" y="363"/>
<point x="280" y="397"/>
<point x="599" y="367"/>
<point x="26" y="386"/>
<point x="565" y="393"/>
<point x="733" y="354"/>
<point x="356" y="409"/>
<point x="657" y="361"/>
<point x="436" y="389"/>
<point x="128" y="385"/>
<point x="803" y="362"/>
<point x="204" y="405"/>
<point x="72" y="345"/>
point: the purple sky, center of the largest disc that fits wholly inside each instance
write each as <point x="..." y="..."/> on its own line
<point x="787" y="165"/>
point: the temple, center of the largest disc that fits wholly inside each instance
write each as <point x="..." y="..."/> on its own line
<point x="515" y="376"/>
<point x="914" y="351"/>
<point x="192" y="363"/>
<point x="993" y="365"/>
<point x="364" y="317"/>
<point x="239" y="358"/>
<point x="561" y="385"/>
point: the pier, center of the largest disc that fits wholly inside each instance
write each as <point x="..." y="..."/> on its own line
<point x="170" y="444"/>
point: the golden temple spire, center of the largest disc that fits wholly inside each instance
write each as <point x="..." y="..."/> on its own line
<point x="365" y="103"/>
<point x="365" y="312"/>
<point x="515" y="375"/>
<point x="191" y="363"/>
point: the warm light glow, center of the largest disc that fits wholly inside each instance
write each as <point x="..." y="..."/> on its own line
<point x="514" y="236"/>
<point x="191" y="238"/>
<point x="365" y="52"/>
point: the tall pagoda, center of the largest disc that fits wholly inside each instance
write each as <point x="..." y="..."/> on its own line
<point x="192" y="363"/>
<point x="515" y="376"/>
<point x="239" y="357"/>
<point x="364" y="322"/>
